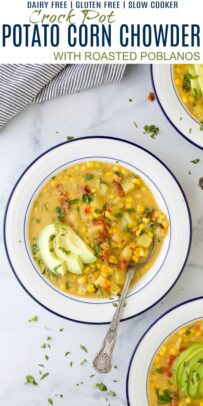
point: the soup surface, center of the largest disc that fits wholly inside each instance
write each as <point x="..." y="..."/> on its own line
<point x="106" y="209"/>
<point x="188" y="80"/>
<point x="176" y="372"/>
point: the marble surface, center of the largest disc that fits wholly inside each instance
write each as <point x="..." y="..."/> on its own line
<point x="107" y="111"/>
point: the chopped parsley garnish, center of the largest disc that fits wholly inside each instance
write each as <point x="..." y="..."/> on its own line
<point x="71" y="364"/>
<point x="35" y="249"/>
<point x="97" y="249"/>
<point x="83" y="348"/>
<point x="188" y="332"/>
<point x="64" y="250"/>
<point x="92" y="376"/>
<point x="159" y="370"/>
<point x="50" y="401"/>
<point x="130" y="100"/>
<point x="34" y="318"/>
<point x="69" y="138"/>
<point x="46" y="357"/>
<point x="195" y="161"/>
<point x="44" y="376"/>
<point x="31" y="379"/>
<point x="148" y="212"/>
<point x="98" y="211"/>
<point x="83" y="362"/>
<point x="88" y="176"/>
<point x="101" y="386"/>
<point x="152" y="130"/>
<point x="49" y="338"/>
<point x="87" y="197"/>
<point x="112" y="393"/>
<point x="197" y="92"/>
<point x="131" y="210"/>
<point x="61" y="214"/>
<point x="201" y="128"/>
<point x="74" y="201"/>
<point x="164" y="396"/>
<point x="118" y="215"/>
<point x="153" y="224"/>
<point x="118" y="173"/>
<point x="61" y="329"/>
<point x="67" y="353"/>
<point x="187" y="81"/>
<point x="57" y="267"/>
<point x="41" y="365"/>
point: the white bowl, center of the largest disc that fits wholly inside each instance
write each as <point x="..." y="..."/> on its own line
<point x="172" y="106"/>
<point x="172" y="320"/>
<point x="169" y="196"/>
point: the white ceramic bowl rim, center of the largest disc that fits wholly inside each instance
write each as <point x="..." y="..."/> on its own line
<point x="75" y="140"/>
<point x="167" y="115"/>
<point x="158" y="346"/>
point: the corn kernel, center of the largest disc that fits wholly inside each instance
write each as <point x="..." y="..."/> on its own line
<point x="99" y="265"/>
<point x="188" y="401"/>
<point x="108" y="173"/>
<point x="82" y="280"/>
<point x="135" y="258"/>
<point x="140" y="208"/>
<point x="108" y="215"/>
<point x="128" y="206"/>
<point x="104" y="274"/>
<point x="112" y="259"/>
<point x="90" y="164"/>
<point x="129" y="199"/>
<point x="136" y="181"/>
<point x="63" y="286"/>
<point x="116" y="168"/>
<point x="90" y="288"/>
<point x="173" y="351"/>
<point x="132" y="245"/>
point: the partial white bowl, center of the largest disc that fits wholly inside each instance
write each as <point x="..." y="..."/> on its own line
<point x="172" y="106"/>
<point x="172" y="320"/>
<point x="170" y="198"/>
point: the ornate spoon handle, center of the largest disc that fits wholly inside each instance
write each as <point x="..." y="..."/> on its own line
<point x="103" y="359"/>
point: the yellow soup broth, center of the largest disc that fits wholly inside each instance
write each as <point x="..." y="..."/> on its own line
<point x="163" y="388"/>
<point x="113" y="211"/>
<point x="192" y="100"/>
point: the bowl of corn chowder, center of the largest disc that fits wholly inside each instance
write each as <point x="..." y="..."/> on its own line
<point x="88" y="215"/>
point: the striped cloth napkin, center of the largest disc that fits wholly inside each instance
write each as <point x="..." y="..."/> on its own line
<point x="22" y="85"/>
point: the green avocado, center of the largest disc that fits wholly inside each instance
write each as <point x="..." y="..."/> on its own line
<point x="195" y="81"/>
<point x="70" y="241"/>
<point x="73" y="262"/>
<point x="199" y="72"/>
<point x="188" y="371"/>
<point x="45" y="244"/>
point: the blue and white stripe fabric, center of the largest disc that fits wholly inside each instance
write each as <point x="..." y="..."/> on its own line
<point x="22" y="85"/>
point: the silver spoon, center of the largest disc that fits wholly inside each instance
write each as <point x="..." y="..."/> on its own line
<point x="103" y="359"/>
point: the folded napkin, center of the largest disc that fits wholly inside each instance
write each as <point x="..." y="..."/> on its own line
<point x="22" y="85"/>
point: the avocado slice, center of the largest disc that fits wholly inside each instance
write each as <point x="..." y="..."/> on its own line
<point x="188" y="370"/>
<point x="197" y="90"/>
<point x="70" y="241"/>
<point x="45" y="244"/>
<point x="73" y="262"/>
<point x="199" y="72"/>
<point x="196" y="375"/>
